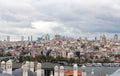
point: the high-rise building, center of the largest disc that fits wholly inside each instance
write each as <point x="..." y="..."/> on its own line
<point x="80" y="38"/>
<point x="31" y="38"/>
<point x="8" y="38"/>
<point x="115" y="37"/>
<point x="95" y="38"/>
<point x="28" y="38"/>
<point x="86" y="38"/>
<point x="100" y="37"/>
<point x="57" y="37"/>
<point x="47" y="37"/>
<point x="22" y="38"/>
<point x="39" y="38"/>
<point x="104" y="38"/>
<point x="63" y="37"/>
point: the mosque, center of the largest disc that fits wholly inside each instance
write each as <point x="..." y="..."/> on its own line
<point x="32" y="69"/>
<point x="35" y="69"/>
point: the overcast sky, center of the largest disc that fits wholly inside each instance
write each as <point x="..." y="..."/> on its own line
<point x="34" y="17"/>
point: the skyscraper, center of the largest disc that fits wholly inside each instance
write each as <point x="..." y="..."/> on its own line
<point x="57" y="37"/>
<point x="100" y="38"/>
<point x="22" y="38"/>
<point x="115" y="37"/>
<point x="104" y="38"/>
<point x="8" y="38"/>
<point x="86" y="38"/>
<point x="31" y="38"/>
<point x="28" y="38"/>
<point x="47" y="37"/>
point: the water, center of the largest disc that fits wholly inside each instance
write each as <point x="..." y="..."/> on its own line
<point x="97" y="70"/>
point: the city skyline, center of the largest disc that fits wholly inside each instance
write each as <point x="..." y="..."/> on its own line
<point x="59" y="37"/>
<point x="69" y="17"/>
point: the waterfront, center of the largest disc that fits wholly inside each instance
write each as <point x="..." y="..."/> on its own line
<point x="97" y="70"/>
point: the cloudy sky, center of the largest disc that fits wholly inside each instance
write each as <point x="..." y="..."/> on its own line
<point x="68" y="17"/>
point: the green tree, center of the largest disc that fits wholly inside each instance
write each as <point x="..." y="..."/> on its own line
<point x="8" y="54"/>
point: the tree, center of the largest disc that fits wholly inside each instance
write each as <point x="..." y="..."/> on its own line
<point x="8" y="54"/>
<point x="96" y="47"/>
<point x="83" y="46"/>
<point x="21" y="59"/>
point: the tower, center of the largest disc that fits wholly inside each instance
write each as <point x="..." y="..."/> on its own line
<point x="100" y="38"/>
<point x="56" y="70"/>
<point x="57" y="37"/>
<point x="28" y="38"/>
<point x="22" y="38"/>
<point x="31" y="38"/>
<point x="47" y="37"/>
<point x="8" y="38"/>
<point x="25" y="70"/>
<point x="95" y="38"/>
<point x="32" y="66"/>
<point x="38" y="69"/>
<point x="86" y="38"/>
<point x="104" y="38"/>
<point x="61" y="71"/>
<point x="3" y="66"/>
<point x="115" y="37"/>
<point x="9" y="67"/>
<point x="75" y="70"/>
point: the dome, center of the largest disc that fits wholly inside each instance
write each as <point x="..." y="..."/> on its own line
<point x="83" y="68"/>
<point x="9" y="62"/>
<point x="61" y="67"/>
<point x="75" y="65"/>
<point x="3" y="62"/>
<point x="27" y="62"/>
<point x="39" y="66"/>
<point x="31" y="63"/>
<point x="56" y="68"/>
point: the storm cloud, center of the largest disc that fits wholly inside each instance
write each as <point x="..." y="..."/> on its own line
<point x="29" y="17"/>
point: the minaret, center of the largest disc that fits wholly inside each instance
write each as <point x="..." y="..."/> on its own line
<point x="25" y="70"/>
<point x="9" y="67"/>
<point x="32" y="66"/>
<point x="38" y="69"/>
<point x="61" y="71"/>
<point x="84" y="70"/>
<point x="3" y="66"/>
<point x="75" y="70"/>
<point x="56" y="70"/>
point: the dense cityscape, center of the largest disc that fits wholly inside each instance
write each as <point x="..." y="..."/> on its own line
<point x="59" y="37"/>
<point x="65" y="51"/>
<point x="60" y="49"/>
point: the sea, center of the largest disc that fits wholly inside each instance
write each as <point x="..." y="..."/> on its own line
<point x="97" y="70"/>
